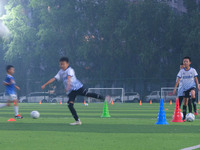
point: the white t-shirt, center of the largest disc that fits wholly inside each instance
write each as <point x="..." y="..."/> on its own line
<point x="63" y="76"/>
<point x="187" y="77"/>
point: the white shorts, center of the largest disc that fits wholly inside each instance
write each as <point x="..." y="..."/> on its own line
<point x="11" y="97"/>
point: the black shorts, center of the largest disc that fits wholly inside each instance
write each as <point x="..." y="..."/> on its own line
<point x="84" y="92"/>
<point x="72" y="95"/>
<point x="187" y="93"/>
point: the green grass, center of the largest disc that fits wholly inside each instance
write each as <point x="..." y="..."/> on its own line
<point x="130" y="127"/>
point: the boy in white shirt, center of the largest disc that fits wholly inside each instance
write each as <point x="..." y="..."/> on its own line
<point x="189" y="83"/>
<point x="73" y="87"/>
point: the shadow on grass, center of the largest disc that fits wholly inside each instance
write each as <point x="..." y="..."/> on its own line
<point x="99" y="128"/>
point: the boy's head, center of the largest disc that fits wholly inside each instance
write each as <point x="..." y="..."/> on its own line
<point x="181" y="66"/>
<point x="10" y="69"/>
<point x="187" y="61"/>
<point x="64" y="63"/>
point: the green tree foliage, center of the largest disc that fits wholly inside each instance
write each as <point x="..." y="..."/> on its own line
<point x="111" y="42"/>
<point x="191" y="5"/>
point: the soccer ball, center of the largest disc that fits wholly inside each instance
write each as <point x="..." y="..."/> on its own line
<point x="190" y="117"/>
<point x="35" y="114"/>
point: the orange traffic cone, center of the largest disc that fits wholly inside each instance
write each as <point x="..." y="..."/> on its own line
<point x="40" y="102"/>
<point x="140" y="102"/>
<point x="60" y="102"/>
<point x="177" y="113"/>
<point x="170" y="102"/>
<point x="112" y="102"/>
<point x="84" y="102"/>
<point x="150" y="101"/>
<point x="11" y="119"/>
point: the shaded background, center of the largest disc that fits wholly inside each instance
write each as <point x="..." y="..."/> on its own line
<point x="134" y="44"/>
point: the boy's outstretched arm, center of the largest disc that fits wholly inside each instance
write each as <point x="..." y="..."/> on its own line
<point x="17" y="87"/>
<point x="49" y="82"/>
<point x="8" y="83"/>
<point x="177" y="82"/>
<point x="197" y="83"/>
<point x="5" y="83"/>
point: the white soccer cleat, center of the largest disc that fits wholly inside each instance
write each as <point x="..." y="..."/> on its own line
<point x="76" y="123"/>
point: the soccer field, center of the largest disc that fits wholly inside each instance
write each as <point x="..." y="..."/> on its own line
<point x="130" y="127"/>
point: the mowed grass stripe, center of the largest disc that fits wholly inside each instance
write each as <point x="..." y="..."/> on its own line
<point x="130" y="127"/>
<point x="49" y="110"/>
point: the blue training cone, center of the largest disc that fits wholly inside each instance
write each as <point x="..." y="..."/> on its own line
<point x="161" y="120"/>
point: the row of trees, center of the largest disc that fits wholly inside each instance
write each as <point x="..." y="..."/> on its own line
<point x="135" y="45"/>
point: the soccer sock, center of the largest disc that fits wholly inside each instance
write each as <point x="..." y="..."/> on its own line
<point x="180" y="103"/>
<point x="16" y="108"/>
<point x="190" y="106"/>
<point x="184" y="111"/>
<point x="73" y="111"/>
<point x="180" y="100"/>
<point x="3" y="105"/>
<point x="194" y="104"/>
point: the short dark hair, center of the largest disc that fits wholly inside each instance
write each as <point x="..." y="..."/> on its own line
<point x="9" y="67"/>
<point x="187" y="57"/>
<point x="64" y="59"/>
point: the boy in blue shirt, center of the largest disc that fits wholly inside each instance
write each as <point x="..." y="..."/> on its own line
<point x="11" y="94"/>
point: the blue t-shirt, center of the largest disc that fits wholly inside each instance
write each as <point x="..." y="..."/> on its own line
<point x="10" y="89"/>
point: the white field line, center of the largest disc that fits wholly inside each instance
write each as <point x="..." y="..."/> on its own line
<point x="191" y="148"/>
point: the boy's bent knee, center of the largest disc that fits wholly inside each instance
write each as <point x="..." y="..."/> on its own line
<point x="70" y="106"/>
<point x="15" y="102"/>
<point x="193" y="93"/>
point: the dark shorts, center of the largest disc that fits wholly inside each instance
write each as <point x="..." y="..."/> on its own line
<point x="84" y="92"/>
<point x="72" y="95"/>
<point x="187" y="93"/>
